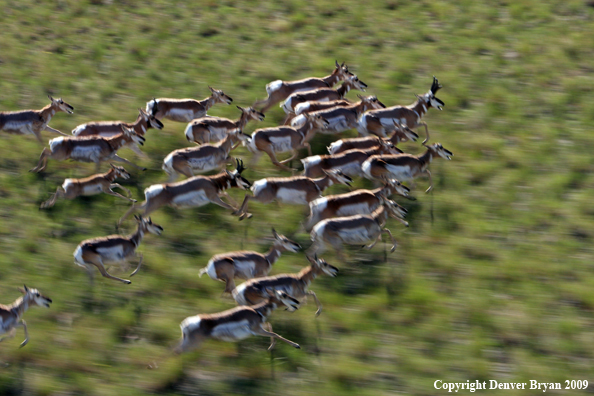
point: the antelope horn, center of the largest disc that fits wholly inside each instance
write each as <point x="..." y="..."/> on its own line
<point x="435" y="86"/>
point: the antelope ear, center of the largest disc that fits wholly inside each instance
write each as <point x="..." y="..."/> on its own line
<point x="336" y="64"/>
<point x="50" y="97"/>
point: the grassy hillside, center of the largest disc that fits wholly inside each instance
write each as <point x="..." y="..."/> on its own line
<point x="497" y="284"/>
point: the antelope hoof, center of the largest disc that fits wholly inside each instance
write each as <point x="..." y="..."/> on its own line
<point x="134" y="201"/>
<point x="393" y="248"/>
<point x="127" y="282"/>
<point x="143" y="169"/>
<point x="297" y="346"/>
<point x="429" y="189"/>
<point x="24" y="343"/>
<point x="318" y="312"/>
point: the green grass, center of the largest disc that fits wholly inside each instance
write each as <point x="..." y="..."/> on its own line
<point x="498" y="285"/>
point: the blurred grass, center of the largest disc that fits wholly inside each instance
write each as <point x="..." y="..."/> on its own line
<point x="498" y="286"/>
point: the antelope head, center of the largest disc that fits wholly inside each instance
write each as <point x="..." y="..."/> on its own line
<point x="219" y="96"/>
<point x="252" y="113"/>
<point x="394" y="210"/>
<point x="120" y="172"/>
<point x="355" y="83"/>
<point x="438" y="149"/>
<point x="281" y="297"/>
<point x="133" y="136"/>
<point x="236" y="175"/>
<point x="408" y="133"/>
<point x="285" y="242"/>
<point x="317" y="121"/>
<point x="371" y="102"/>
<point x="150" y="119"/>
<point x="338" y="177"/>
<point x="398" y="187"/>
<point x="61" y="105"/>
<point x="388" y="147"/>
<point x="342" y="71"/>
<point x="321" y="264"/>
<point x="148" y="225"/>
<point x="35" y="298"/>
<point x="430" y="98"/>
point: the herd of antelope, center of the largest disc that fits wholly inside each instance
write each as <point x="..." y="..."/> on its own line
<point x="312" y="105"/>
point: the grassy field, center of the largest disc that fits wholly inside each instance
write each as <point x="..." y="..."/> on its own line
<point x="498" y="284"/>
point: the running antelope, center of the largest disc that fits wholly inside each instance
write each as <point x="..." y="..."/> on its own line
<point x="89" y="149"/>
<point x="295" y="189"/>
<point x="91" y="185"/>
<point x="343" y="118"/>
<point x="354" y="230"/>
<point x="193" y="192"/>
<point x="349" y="162"/>
<point x="32" y="122"/>
<point x="280" y="90"/>
<point x="254" y="292"/>
<point x="323" y="94"/>
<point x="10" y="315"/>
<point x="213" y="129"/>
<point x="380" y="122"/>
<point x="362" y="202"/>
<point x="201" y="159"/>
<point x="114" y="249"/>
<point x="402" y="133"/>
<point x="284" y="138"/>
<point x="236" y="324"/>
<point x="144" y="122"/>
<point x="404" y="166"/>
<point x="185" y="110"/>
<point x="246" y="264"/>
<point x="309" y="107"/>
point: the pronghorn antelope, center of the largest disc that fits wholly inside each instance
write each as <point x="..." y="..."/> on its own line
<point x="89" y="149"/>
<point x="294" y="189"/>
<point x="404" y="166"/>
<point x="114" y="249"/>
<point x="236" y="324"/>
<point x="213" y="129"/>
<point x="91" y="185"/>
<point x="354" y="230"/>
<point x="349" y="162"/>
<point x="10" y="315"/>
<point x="202" y="159"/>
<point x="280" y="90"/>
<point x="246" y="264"/>
<point x="253" y="291"/>
<point x="356" y="202"/>
<point x="323" y="94"/>
<point x="284" y="138"/>
<point x="401" y="134"/>
<point x="185" y="110"/>
<point x="193" y="192"/>
<point x="344" y="118"/>
<point x="32" y="122"/>
<point x="380" y="122"/>
<point x="144" y="122"/>
<point x="309" y="107"/>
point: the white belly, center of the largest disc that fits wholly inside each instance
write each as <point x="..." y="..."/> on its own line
<point x="181" y="114"/>
<point x="91" y="189"/>
<point x="217" y="134"/>
<point x="244" y="269"/>
<point x="281" y="144"/>
<point x="190" y="199"/>
<point x="24" y="128"/>
<point x="400" y="172"/>
<point x="291" y="196"/>
<point x="232" y="331"/>
<point x="203" y="164"/>
<point x="112" y="254"/>
<point x="355" y="235"/>
<point x="86" y="153"/>
<point x="349" y="210"/>
<point x="337" y="124"/>
<point x="351" y="169"/>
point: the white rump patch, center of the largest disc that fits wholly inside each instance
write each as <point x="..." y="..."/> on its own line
<point x="55" y="142"/>
<point x="273" y="86"/>
<point x="311" y="161"/>
<point x="286" y="105"/>
<point x="152" y="191"/>
<point x="168" y="164"/>
<point x="238" y="294"/>
<point x="79" y="129"/>
<point x="189" y="132"/>
<point x="78" y="257"/>
<point x="258" y="186"/>
<point x="211" y="270"/>
<point x="190" y="324"/>
<point x="366" y="168"/>
<point x="302" y="108"/>
<point x="335" y="146"/>
<point x="67" y="183"/>
<point x="362" y="125"/>
<point x="318" y="205"/>
<point x="298" y="121"/>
